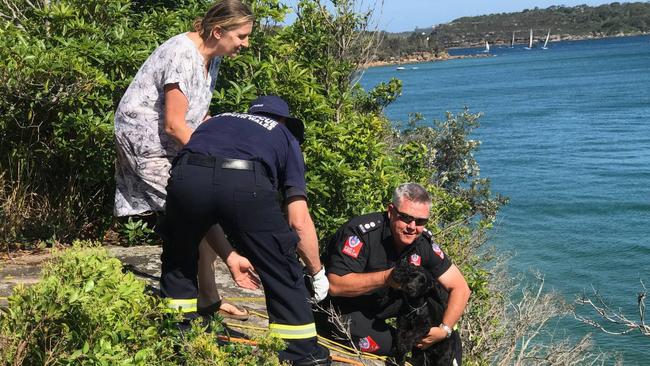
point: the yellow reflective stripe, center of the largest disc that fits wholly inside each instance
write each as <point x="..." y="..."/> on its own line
<point x="184" y="305"/>
<point x="293" y="331"/>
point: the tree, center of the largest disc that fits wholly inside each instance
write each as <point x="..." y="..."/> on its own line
<point x="613" y="318"/>
<point x="66" y="65"/>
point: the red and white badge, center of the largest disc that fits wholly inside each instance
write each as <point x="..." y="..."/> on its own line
<point x="367" y="344"/>
<point x="415" y="259"/>
<point x="352" y="246"/>
<point x="438" y="251"/>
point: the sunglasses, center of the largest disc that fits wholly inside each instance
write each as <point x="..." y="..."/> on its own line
<point x="407" y="219"/>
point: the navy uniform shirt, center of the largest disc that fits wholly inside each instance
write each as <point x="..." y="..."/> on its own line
<point x="256" y="138"/>
<point x="365" y="244"/>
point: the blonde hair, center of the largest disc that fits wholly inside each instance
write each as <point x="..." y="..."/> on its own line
<point x="227" y="14"/>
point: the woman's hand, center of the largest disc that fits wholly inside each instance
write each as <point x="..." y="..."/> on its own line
<point x="242" y="271"/>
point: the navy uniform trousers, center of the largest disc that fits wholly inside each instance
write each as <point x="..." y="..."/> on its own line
<point x="237" y="194"/>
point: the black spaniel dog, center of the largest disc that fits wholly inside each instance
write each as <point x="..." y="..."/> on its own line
<point x="421" y="307"/>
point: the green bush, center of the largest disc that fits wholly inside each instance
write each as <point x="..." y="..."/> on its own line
<point x="202" y="350"/>
<point x="136" y="232"/>
<point x="86" y="310"/>
<point x="69" y="62"/>
<point x="66" y="65"/>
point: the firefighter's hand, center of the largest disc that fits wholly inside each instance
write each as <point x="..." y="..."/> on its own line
<point x="321" y="285"/>
<point x="242" y="271"/>
<point x="390" y="281"/>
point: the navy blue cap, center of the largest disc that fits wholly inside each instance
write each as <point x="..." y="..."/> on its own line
<point x="272" y="104"/>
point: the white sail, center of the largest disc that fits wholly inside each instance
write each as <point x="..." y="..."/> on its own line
<point x="512" y="43"/>
<point x="548" y="35"/>
<point x="530" y="40"/>
<point x="487" y="47"/>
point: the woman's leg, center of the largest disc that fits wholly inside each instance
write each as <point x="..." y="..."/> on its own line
<point x="215" y="244"/>
<point x="208" y="292"/>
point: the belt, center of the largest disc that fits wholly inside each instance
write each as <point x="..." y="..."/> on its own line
<point x="224" y="163"/>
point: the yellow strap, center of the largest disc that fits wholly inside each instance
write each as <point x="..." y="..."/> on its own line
<point x="332" y="345"/>
<point x="293" y="331"/>
<point x="184" y="305"/>
<point x="245" y="299"/>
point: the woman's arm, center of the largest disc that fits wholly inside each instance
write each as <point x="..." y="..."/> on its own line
<point x="176" y="106"/>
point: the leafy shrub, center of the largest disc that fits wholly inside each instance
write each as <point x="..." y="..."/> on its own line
<point x="63" y="81"/>
<point x="136" y="232"/>
<point x="444" y="150"/>
<point x="202" y="350"/>
<point x="66" y="65"/>
<point x="86" y="310"/>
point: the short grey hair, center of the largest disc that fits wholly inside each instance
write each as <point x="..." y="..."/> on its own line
<point x="412" y="192"/>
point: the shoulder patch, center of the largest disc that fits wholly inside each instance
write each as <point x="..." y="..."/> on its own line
<point x="438" y="251"/>
<point x="352" y="246"/>
<point x="369" y="226"/>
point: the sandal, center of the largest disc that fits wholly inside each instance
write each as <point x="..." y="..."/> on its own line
<point x="231" y="315"/>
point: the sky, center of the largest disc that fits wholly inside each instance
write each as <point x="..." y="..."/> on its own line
<point x="406" y="15"/>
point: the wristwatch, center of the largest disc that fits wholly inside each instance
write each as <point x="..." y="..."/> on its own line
<point x="446" y="328"/>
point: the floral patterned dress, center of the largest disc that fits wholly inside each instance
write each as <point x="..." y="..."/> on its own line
<point x="144" y="150"/>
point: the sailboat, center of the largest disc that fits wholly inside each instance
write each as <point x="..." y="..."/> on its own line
<point x="548" y="35"/>
<point x="487" y="47"/>
<point x="512" y="43"/>
<point x="530" y="40"/>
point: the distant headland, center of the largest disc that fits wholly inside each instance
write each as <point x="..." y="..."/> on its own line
<point x="530" y="26"/>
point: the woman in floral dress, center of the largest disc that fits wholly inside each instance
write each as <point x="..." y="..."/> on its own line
<point x="168" y="98"/>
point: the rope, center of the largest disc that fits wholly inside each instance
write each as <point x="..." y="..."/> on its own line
<point x="325" y="342"/>
<point x="333" y="345"/>
<point x="242" y="326"/>
<point x="236" y="340"/>
<point x="261" y="315"/>
<point x="241" y="299"/>
<point x="345" y="360"/>
<point x="253" y="343"/>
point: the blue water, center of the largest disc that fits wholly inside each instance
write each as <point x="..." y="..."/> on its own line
<point x="566" y="135"/>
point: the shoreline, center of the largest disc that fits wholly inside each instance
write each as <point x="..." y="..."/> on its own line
<point x="422" y="57"/>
